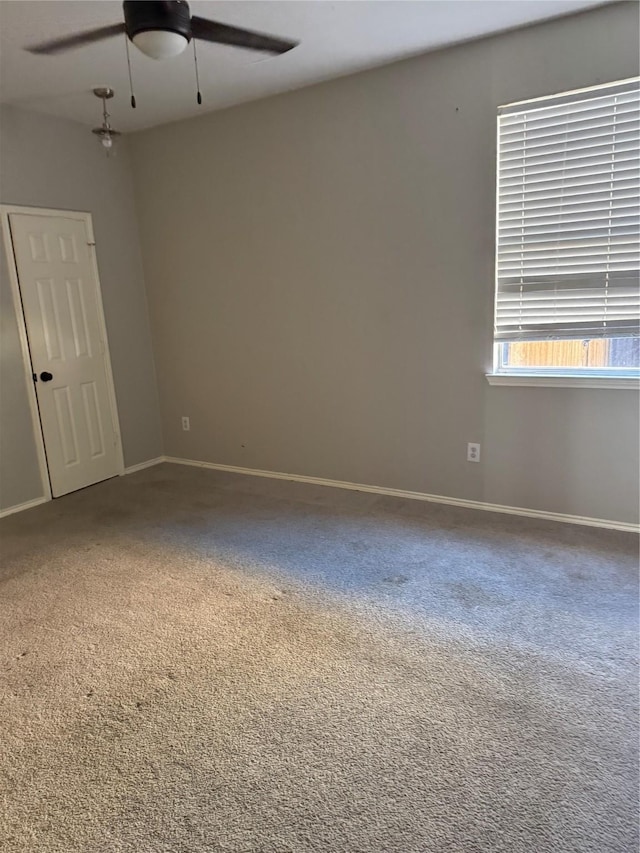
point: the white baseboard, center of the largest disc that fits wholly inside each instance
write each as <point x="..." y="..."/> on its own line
<point x="362" y="487"/>
<point x="26" y="505"/>
<point x="142" y="465"/>
<point x="416" y="496"/>
<point x="37" y="501"/>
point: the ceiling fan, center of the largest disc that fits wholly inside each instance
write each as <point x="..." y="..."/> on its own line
<point x="163" y="28"/>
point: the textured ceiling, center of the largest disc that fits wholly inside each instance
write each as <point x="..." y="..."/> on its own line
<point x="337" y="38"/>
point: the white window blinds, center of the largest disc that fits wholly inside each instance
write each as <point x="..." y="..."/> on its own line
<point x="568" y="244"/>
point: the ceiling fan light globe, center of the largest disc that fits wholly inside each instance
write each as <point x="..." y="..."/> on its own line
<point x="160" y="44"/>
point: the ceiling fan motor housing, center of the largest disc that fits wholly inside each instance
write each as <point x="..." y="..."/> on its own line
<point x="145" y="15"/>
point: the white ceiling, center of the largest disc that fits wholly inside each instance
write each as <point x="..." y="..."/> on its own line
<point x="336" y="38"/>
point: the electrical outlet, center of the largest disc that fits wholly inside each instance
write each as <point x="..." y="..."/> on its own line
<point x="186" y="424"/>
<point x="473" y="452"/>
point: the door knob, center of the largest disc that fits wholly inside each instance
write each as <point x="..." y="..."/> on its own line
<point x="46" y="376"/>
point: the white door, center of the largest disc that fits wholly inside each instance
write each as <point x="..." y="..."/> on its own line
<point x="63" y="317"/>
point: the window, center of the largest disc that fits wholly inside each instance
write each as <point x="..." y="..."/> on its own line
<point x="568" y="235"/>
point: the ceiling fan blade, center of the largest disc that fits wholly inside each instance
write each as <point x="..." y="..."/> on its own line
<point x="202" y="28"/>
<point x="48" y="48"/>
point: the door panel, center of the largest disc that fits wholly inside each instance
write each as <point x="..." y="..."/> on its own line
<point x="92" y="418"/>
<point x="66" y="426"/>
<point x="78" y="313"/>
<point x="62" y="310"/>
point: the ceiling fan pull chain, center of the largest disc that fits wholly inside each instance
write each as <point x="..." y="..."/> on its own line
<point x="195" y="59"/>
<point x="133" y="97"/>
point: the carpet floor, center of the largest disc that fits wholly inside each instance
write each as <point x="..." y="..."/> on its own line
<point x="195" y="661"/>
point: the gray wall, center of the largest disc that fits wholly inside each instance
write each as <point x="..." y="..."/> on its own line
<point x="46" y="162"/>
<point x="319" y="268"/>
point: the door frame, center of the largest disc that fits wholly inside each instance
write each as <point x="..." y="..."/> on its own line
<point x="14" y="280"/>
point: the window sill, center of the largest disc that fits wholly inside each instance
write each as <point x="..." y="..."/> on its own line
<point x="568" y="381"/>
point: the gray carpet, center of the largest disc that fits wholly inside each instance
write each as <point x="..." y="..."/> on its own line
<point x="194" y="661"/>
